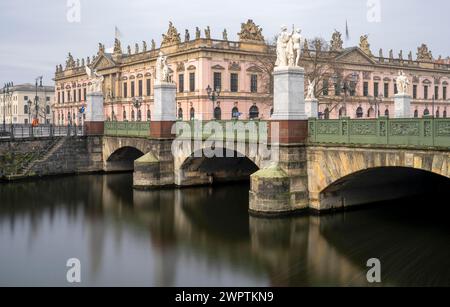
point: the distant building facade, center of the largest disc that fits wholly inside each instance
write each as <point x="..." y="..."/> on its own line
<point x="19" y="106"/>
<point x="358" y="84"/>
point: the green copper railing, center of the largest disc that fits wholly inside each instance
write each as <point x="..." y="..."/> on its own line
<point x="131" y="129"/>
<point x="383" y="131"/>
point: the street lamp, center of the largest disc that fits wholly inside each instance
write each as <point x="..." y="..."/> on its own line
<point x="213" y="95"/>
<point x="346" y="86"/>
<point x="375" y="102"/>
<point x="6" y="91"/>
<point x="137" y="103"/>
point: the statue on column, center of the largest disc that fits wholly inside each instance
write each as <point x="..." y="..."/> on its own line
<point x="162" y="68"/>
<point x="96" y="81"/>
<point x="288" y="48"/>
<point x="311" y="87"/>
<point x="187" y="36"/>
<point x="402" y="83"/>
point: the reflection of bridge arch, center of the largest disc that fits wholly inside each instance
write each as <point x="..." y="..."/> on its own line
<point x="340" y="177"/>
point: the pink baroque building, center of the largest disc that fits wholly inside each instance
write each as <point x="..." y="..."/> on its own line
<point x="353" y="83"/>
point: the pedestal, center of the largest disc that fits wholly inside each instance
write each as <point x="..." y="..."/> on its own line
<point x="402" y="106"/>
<point x="312" y="108"/>
<point x="95" y="118"/>
<point x="289" y="105"/>
<point x="164" y="111"/>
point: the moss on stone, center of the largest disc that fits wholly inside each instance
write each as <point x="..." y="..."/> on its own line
<point x="273" y="171"/>
<point x="147" y="158"/>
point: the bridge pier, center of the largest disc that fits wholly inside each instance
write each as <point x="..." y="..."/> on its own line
<point x="282" y="188"/>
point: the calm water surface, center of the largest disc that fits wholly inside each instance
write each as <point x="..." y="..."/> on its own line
<point x="205" y="237"/>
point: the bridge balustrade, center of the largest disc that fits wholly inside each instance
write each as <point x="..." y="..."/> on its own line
<point x="434" y="132"/>
<point x="131" y="129"/>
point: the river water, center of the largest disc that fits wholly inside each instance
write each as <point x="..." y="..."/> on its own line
<point x="205" y="237"/>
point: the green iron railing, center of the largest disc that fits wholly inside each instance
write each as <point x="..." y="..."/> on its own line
<point x="130" y="129"/>
<point x="238" y="130"/>
<point x="433" y="132"/>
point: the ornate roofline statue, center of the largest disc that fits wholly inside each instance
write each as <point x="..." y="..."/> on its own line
<point x="250" y="32"/>
<point x="172" y="37"/>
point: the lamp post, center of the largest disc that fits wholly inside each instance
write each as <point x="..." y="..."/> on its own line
<point x="346" y="86"/>
<point x="375" y="102"/>
<point x="137" y="103"/>
<point x="7" y="90"/>
<point x="213" y="95"/>
<point x="29" y="102"/>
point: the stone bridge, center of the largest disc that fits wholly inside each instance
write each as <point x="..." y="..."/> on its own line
<point x="341" y="163"/>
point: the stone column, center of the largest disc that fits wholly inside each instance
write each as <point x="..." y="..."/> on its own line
<point x="312" y="108"/>
<point x="402" y="104"/>
<point x="289" y="104"/>
<point x="95" y="118"/>
<point x="165" y="110"/>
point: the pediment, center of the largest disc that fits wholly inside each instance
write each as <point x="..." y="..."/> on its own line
<point x="255" y="69"/>
<point x="103" y="62"/>
<point x="218" y="67"/>
<point x="355" y="56"/>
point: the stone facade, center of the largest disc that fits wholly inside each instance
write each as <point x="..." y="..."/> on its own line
<point x="19" y="107"/>
<point x="198" y="62"/>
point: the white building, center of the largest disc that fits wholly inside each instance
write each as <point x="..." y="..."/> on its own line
<point x="20" y="106"/>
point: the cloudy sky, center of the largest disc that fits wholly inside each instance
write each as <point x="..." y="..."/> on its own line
<point x="36" y="35"/>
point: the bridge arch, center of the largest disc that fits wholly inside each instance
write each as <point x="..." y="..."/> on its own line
<point x="341" y="176"/>
<point x="232" y="164"/>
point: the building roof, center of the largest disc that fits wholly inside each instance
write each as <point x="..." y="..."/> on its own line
<point x="28" y="87"/>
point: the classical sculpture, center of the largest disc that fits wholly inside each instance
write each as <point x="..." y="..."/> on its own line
<point x="423" y="54"/>
<point x="172" y="37"/>
<point x="250" y="32"/>
<point x="144" y="46"/>
<point x="297" y="45"/>
<point x="95" y="79"/>
<point x="400" y="55"/>
<point x="70" y="63"/>
<point x="402" y="83"/>
<point x="364" y="44"/>
<point x="225" y="35"/>
<point x="136" y="48"/>
<point x="187" y="36"/>
<point x="391" y="55"/>
<point x="117" y="46"/>
<point x="311" y="87"/>
<point x="410" y="56"/>
<point x="197" y="33"/>
<point x="288" y="48"/>
<point x="129" y="49"/>
<point x="208" y="32"/>
<point x="162" y="69"/>
<point x="153" y="44"/>
<point x="336" y="41"/>
<point x="306" y="48"/>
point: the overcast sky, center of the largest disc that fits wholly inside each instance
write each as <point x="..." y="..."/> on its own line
<point x="37" y="35"/>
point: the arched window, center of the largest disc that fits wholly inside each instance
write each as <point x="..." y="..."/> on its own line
<point x="47" y="109"/>
<point x="342" y="112"/>
<point x="192" y="113"/>
<point x="139" y="115"/>
<point x="371" y="112"/>
<point x="69" y="118"/>
<point x="235" y="113"/>
<point x="148" y="115"/>
<point x="416" y="113"/>
<point x="124" y="115"/>
<point x="326" y="113"/>
<point x="217" y="113"/>
<point x="359" y="112"/>
<point x="132" y="115"/>
<point x="25" y="109"/>
<point x="180" y="114"/>
<point x="426" y="112"/>
<point x="438" y="114"/>
<point x="253" y="112"/>
<point x="386" y="112"/>
<point x="444" y="114"/>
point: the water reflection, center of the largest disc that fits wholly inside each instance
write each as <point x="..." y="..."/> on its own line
<point x="205" y="237"/>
